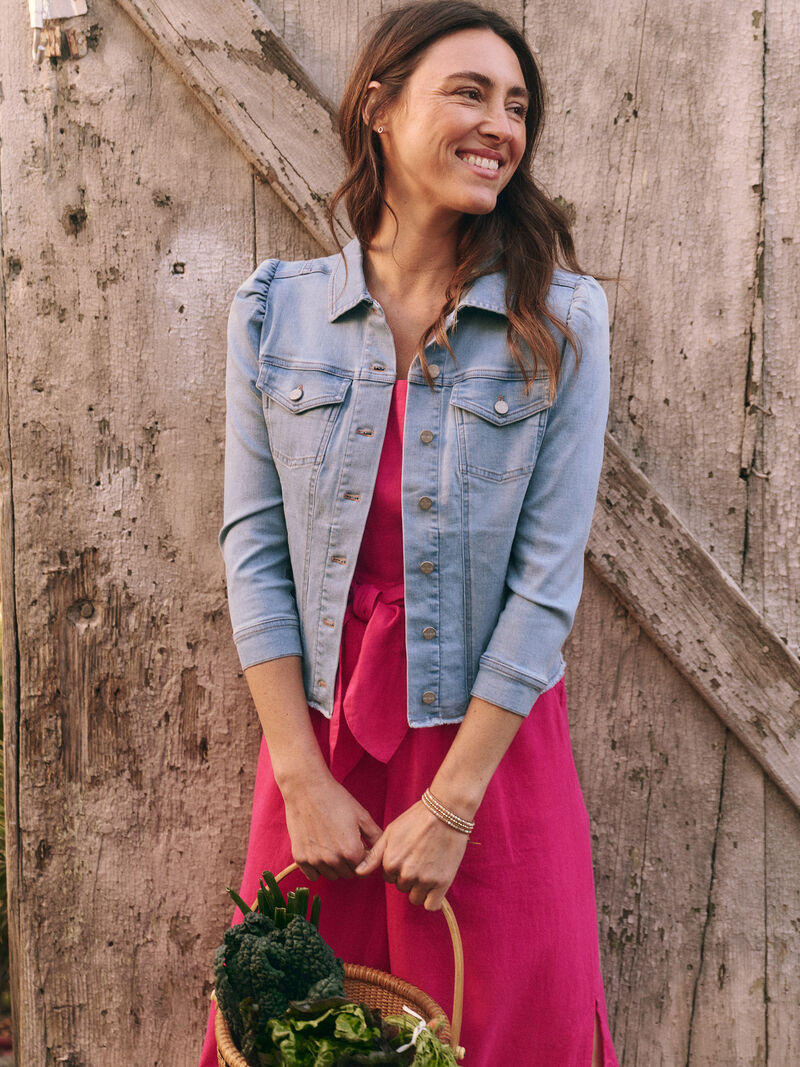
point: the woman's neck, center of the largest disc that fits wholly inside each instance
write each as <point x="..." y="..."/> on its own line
<point x="417" y="257"/>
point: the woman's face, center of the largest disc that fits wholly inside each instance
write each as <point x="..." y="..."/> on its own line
<point x="456" y="135"/>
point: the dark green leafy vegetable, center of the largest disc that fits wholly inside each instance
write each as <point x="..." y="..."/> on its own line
<point x="268" y="960"/>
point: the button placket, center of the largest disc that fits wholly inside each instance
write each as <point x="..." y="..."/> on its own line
<point x="361" y="426"/>
<point x="422" y="474"/>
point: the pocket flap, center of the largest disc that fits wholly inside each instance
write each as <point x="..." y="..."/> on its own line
<point x="299" y="388"/>
<point x="501" y="400"/>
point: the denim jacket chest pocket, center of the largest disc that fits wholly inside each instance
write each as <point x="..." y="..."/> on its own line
<point x="300" y="407"/>
<point x="499" y="426"/>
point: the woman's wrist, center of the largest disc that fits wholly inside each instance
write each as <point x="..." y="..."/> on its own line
<point x="447" y="815"/>
<point x="461" y="797"/>
<point x="299" y="768"/>
<point x="481" y="742"/>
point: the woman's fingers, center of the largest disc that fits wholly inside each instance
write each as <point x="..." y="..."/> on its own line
<point x="433" y="900"/>
<point x="328" y="828"/>
<point x="419" y="855"/>
<point x="373" y="859"/>
<point x="369" y="828"/>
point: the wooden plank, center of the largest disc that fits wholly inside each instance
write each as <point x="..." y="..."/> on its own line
<point x="699" y="617"/>
<point x="649" y="161"/>
<point x="127" y="222"/>
<point x="650" y="759"/>
<point x="728" y="1021"/>
<point x="772" y="564"/>
<point x="782" y="914"/>
<point x="10" y="643"/>
<point x="241" y="71"/>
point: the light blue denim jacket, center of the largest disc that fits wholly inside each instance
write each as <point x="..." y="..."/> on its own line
<point x="498" y="487"/>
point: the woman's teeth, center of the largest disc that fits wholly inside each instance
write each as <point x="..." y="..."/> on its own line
<point x="481" y="161"/>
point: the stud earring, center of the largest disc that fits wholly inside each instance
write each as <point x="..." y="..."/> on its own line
<point x="380" y="129"/>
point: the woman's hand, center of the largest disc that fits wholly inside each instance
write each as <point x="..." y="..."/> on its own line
<point x="327" y="825"/>
<point x="420" y="854"/>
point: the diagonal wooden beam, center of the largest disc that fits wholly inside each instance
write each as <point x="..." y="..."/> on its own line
<point x="241" y="70"/>
<point x="698" y="617"/>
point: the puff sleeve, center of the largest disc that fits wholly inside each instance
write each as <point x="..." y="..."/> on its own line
<point x="253" y="538"/>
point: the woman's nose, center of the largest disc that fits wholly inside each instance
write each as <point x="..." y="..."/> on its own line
<point x="497" y="123"/>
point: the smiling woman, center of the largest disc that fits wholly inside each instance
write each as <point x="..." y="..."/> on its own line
<point x="414" y="437"/>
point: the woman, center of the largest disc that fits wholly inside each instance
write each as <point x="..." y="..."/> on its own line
<point x="414" y="441"/>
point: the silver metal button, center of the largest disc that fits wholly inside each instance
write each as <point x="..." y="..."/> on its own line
<point x="428" y="633"/>
<point x="425" y="502"/>
<point x="426" y="567"/>
<point x="296" y="393"/>
<point x="377" y="366"/>
<point x="435" y="370"/>
<point x="426" y="437"/>
<point x="500" y="406"/>
<point x="428" y="696"/>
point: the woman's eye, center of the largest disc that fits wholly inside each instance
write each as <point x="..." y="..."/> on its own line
<point x="475" y="94"/>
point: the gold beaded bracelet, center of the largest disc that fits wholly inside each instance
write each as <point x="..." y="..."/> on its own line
<point x="464" y="826"/>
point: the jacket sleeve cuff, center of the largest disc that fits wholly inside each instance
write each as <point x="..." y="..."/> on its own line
<point x="268" y="640"/>
<point x="511" y="689"/>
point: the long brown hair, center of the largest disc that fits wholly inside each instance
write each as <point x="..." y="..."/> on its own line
<point x="527" y="233"/>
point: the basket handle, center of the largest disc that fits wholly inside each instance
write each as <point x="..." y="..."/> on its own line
<point x="458" y="960"/>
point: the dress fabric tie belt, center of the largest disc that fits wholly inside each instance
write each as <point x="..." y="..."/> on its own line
<point x="371" y="674"/>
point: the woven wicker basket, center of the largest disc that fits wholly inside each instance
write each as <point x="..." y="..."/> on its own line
<point x="378" y="990"/>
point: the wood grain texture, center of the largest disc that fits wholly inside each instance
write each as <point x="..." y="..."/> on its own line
<point x="10" y="641"/>
<point x="728" y="1021"/>
<point x="127" y="224"/>
<point x="705" y="624"/>
<point x="659" y="157"/>
<point x="650" y="758"/>
<point x="241" y="71"/>
<point x="772" y="565"/>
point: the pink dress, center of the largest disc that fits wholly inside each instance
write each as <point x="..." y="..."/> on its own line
<point x="524" y="897"/>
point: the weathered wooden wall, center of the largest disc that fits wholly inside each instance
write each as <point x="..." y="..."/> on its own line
<point x="128" y="219"/>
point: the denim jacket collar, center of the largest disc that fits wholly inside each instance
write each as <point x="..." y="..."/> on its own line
<point x="486" y="292"/>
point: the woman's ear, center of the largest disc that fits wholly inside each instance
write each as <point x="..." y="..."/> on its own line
<point x="367" y="106"/>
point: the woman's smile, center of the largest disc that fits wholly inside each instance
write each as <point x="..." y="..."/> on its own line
<point x="484" y="165"/>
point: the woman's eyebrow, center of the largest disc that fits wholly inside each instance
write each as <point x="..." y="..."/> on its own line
<point x="487" y="82"/>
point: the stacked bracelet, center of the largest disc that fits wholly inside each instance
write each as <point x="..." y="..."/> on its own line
<point x="438" y="809"/>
